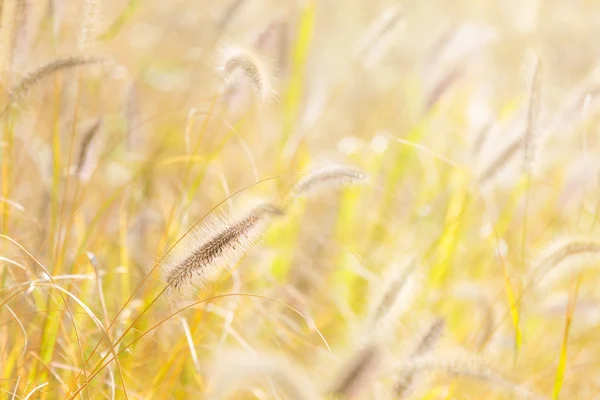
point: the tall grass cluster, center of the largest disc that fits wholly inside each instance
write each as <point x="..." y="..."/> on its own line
<point x="308" y="199"/>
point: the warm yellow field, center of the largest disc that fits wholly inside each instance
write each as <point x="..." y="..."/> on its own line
<point x="310" y="199"/>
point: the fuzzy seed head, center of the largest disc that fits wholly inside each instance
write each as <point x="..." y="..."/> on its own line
<point x="329" y="177"/>
<point x="85" y="163"/>
<point x="22" y="88"/>
<point x="395" y="297"/>
<point x="90" y="25"/>
<point x="425" y="342"/>
<point x="430" y="336"/>
<point x="239" y="65"/>
<point x="467" y="365"/>
<point x="564" y="256"/>
<point x="358" y="370"/>
<point x="216" y="246"/>
<point x="533" y="110"/>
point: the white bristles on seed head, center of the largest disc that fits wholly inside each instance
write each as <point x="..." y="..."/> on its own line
<point x="358" y="371"/>
<point x="465" y="364"/>
<point x="329" y="176"/>
<point x="22" y="87"/>
<point x="240" y="66"/>
<point x="423" y="343"/>
<point x="428" y="336"/>
<point x="534" y="75"/>
<point x="215" y="246"/>
<point x="90" y="25"/>
<point x="394" y="297"/>
<point x="564" y="257"/>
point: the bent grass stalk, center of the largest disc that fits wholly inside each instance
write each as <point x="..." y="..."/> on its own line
<point x="61" y="296"/>
<point x="156" y="265"/>
<point x="188" y="168"/>
<point x="101" y="366"/>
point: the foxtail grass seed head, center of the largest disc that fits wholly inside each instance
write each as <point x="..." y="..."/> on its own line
<point x="563" y="257"/>
<point x="22" y="87"/>
<point x="395" y="297"/>
<point x="479" y="296"/>
<point x="90" y="25"/>
<point x="214" y="247"/>
<point x="424" y="343"/>
<point x="533" y="109"/>
<point x="85" y="159"/>
<point x="379" y="36"/>
<point x="241" y="66"/>
<point x="10" y="14"/>
<point x="466" y="365"/>
<point x="330" y="176"/>
<point x="429" y="336"/>
<point x="499" y="161"/>
<point x="358" y="371"/>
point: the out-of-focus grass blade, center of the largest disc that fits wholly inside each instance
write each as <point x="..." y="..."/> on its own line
<point x="121" y="20"/>
<point x="450" y="237"/>
<point x="562" y="363"/>
<point x="514" y="309"/>
<point x="299" y="56"/>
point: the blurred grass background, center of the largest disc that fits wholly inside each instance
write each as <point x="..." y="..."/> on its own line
<point x="423" y="96"/>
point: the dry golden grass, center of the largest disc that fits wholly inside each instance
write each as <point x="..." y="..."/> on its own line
<point x="433" y="167"/>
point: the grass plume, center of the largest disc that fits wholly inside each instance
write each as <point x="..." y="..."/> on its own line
<point x="11" y="10"/>
<point x="424" y="344"/>
<point x="533" y="110"/>
<point x="395" y="297"/>
<point x="102" y="160"/>
<point x="465" y="365"/>
<point x="85" y="148"/>
<point x="562" y="257"/>
<point x="329" y="176"/>
<point x="500" y="161"/>
<point x="90" y="23"/>
<point x="240" y="65"/>
<point x="24" y="86"/>
<point x="215" y="247"/>
<point x="357" y="371"/>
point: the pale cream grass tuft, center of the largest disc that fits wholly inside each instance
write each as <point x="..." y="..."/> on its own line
<point x="501" y="159"/>
<point x="327" y="177"/>
<point x="424" y="344"/>
<point x="87" y="152"/>
<point x="358" y="371"/>
<point x="22" y="88"/>
<point x="240" y="65"/>
<point x="479" y="295"/>
<point x="379" y="36"/>
<point x="10" y="16"/>
<point x="463" y="364"/>
<point x="429" y="336"/>
<point x="395" y="296"/>
<point x="533" y="110"/>
<point x="215" y="246"/>
<point x="90" y="25"/>
<point x="564" y="257"/>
